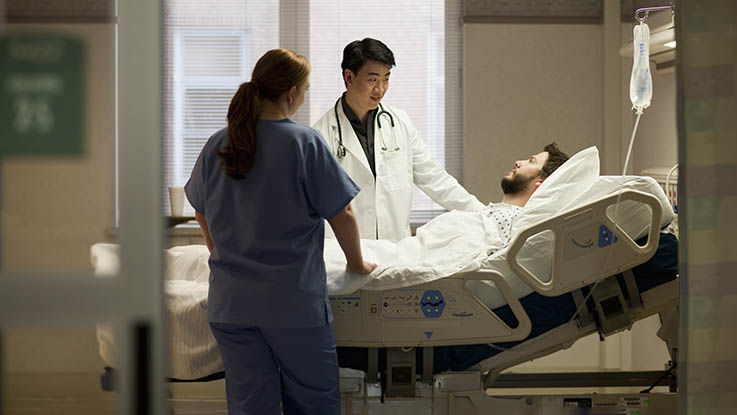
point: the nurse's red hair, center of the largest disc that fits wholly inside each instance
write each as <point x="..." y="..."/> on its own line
<point x="274" y="74"/>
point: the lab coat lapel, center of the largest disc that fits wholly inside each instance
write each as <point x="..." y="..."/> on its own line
<point x="350" y="140"/>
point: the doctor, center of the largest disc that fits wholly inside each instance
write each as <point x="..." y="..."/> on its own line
<point x="380" y="148"/>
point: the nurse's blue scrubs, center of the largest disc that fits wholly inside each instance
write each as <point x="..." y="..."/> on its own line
<point x="267" y="305"/>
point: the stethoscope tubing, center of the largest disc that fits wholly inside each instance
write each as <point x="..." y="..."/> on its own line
<point x="340" y="151"/>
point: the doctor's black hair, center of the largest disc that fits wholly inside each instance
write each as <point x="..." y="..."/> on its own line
<point x="556" y="158"/>
<point x="358" y="52"/>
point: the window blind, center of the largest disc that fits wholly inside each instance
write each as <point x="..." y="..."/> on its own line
<point x="211" y="47"/>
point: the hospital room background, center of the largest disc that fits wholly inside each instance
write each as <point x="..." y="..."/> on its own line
<point x="486" y="82"/>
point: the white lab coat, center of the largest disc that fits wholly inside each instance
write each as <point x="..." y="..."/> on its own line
<point x="383" y="206"/>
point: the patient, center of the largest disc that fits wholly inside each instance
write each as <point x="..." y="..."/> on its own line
<point x="518" y="186"/>
<point x="451" y="243"/>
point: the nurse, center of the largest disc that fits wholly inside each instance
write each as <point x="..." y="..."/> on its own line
<point x="261" y="189"/>
<point x="380" y="148"/>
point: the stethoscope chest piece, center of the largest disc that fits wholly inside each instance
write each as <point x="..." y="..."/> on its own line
<point x="384" y="147"/>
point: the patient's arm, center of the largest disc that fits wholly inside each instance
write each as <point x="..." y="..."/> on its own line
<point x="205" y="232"/>
<point x="345" y="228"/>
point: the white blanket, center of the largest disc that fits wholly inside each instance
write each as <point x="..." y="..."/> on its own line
<point x="451" y="243"/>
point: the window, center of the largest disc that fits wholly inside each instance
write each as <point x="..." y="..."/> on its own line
<point x="208" y="66"/>
<point x="211" y="47"/>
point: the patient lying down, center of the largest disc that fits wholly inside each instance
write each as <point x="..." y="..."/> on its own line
<point x="451" y="243"/>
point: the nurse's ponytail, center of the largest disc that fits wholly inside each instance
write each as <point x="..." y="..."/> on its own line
<point x="274" y="74"/>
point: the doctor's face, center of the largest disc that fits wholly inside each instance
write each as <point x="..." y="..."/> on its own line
<point x="524" y="173"/>
<point x="367" y="87"/>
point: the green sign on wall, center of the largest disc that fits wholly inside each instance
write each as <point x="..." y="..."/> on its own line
<point x="41" y="94"/>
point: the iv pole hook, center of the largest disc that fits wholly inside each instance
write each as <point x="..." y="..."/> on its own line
<point x="646" y="11"/>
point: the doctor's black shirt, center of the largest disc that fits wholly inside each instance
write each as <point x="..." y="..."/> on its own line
<point x="365" y="133"/>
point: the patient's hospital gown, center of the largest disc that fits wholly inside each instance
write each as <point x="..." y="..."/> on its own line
<point x="503" y="216"/>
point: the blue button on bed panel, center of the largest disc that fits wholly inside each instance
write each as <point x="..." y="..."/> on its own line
<point x="606" y="236"/>
<point x="432" y="303"/>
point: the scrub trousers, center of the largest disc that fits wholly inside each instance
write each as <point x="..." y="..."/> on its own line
<point x="265" y="366"/>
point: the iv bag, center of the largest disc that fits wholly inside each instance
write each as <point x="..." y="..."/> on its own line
<point x="641" y="82"/>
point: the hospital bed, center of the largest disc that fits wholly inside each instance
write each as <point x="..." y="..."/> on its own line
<point x="456" y="311"/>
<point x="441" y="343"/>
<point x="454" y="320"/>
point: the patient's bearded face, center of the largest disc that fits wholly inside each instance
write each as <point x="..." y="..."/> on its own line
<point x="524" y="173"/>
<point x="517" y="182"/>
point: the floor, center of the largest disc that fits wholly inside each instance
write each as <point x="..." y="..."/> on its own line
<point x="80" y="394"/>
<point x="73" y="406"/>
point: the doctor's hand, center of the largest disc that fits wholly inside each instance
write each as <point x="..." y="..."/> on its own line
<point x="361" y="268"/>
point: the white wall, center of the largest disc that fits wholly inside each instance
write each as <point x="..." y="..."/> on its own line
<point x="526" y="86"/>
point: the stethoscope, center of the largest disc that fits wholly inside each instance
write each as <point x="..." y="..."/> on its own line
<point x="340" y="152"/>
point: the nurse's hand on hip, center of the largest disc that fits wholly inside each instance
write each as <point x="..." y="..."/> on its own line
<point x="345" y="228"/>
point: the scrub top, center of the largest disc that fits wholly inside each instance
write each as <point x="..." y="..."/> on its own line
<point x="266" y="265"/>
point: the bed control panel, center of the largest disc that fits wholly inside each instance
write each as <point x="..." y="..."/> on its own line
<point x="426" y="304"/>
<point x="345" y="305"/>
<point x="440" y="313"/>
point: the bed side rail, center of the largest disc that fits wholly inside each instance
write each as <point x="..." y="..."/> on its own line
<point x="438" y="313"/>
<point x="587" y="246"/>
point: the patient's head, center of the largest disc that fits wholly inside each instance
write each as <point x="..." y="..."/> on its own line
<point x="528" y="175"/>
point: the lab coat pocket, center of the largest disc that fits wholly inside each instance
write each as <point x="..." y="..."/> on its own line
<point x="396" y="172"/>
